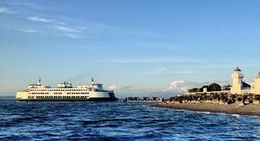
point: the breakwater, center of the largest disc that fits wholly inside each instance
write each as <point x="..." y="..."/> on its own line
<point x="221" y="97"/>
<point x="143" y="99"/>
<point x="220" y="102"/>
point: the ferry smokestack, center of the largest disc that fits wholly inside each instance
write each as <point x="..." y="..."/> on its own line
<point x="39" y="81"/>
<point x="92" y="80"/>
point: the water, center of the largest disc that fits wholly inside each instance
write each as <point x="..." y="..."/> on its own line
<point x="118" y="121"/>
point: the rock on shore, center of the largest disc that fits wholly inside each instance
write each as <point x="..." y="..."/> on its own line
<point x="251" y="109"/>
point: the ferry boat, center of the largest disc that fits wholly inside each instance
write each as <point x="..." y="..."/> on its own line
<point x="65" y="92"/>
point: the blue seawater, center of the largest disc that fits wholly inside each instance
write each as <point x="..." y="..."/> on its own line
<point x="118" y="121"/>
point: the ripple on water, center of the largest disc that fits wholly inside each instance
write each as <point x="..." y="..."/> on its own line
<point x="118" y="121"/>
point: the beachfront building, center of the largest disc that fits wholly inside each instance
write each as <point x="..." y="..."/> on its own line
<point x="255" y="89"/>
<point x="238" y="85"/>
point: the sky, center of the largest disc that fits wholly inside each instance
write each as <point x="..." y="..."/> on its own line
<point x="137" y="48"/>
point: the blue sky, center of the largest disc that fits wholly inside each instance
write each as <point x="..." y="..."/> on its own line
<point x="135" y="47"/>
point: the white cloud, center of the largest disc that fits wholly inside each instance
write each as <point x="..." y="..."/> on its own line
<point x="61" y="27"/>
<point x="29" y="5"/>
<point x="3" y="10"/>
<point x="121" y="88"/>
<point x="30" y="31"/>
<point x="67" y="29"/>
<point x="178" y="85"/>
<point x="75" y="36"/>
<point x="156" y="60"/>
<point x="160" y="72"/>
<point x="39" y="19"/>
<point x="181" y="86"/>
<point x="158" y="44"/>
<point x="6" y="10"/>
<point x="113" y="87"/>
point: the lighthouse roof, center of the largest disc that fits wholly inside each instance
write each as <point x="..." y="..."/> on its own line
<point x="245" y="85"/>
<point x="237" y="69"/>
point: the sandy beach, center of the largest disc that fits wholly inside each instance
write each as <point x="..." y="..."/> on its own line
<point x="251" y="109"/>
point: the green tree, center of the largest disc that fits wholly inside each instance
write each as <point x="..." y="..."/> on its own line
<point x="227" y="87"/>
<point x="193" y="90"/>
<point x="214" y="87"/>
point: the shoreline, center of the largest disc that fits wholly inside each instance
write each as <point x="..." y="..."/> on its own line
<point x="251" y="109"/>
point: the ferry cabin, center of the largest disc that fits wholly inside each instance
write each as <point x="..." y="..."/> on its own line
<point x="59" y="93"/>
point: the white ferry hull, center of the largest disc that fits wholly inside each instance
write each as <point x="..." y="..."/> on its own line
<point x="70" y="99"/>
<point x="96" y="96"/>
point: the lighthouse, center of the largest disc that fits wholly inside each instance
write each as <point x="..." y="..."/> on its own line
<point x="237" y="78"/>
<point x="238" y="85"/>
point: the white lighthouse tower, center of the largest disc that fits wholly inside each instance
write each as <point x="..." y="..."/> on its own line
<point x="237" y="81"/>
